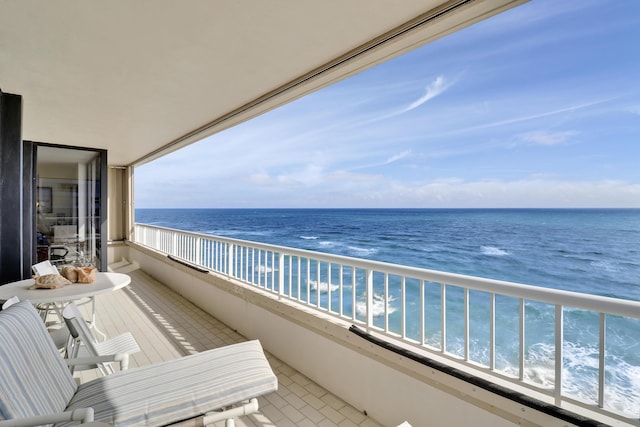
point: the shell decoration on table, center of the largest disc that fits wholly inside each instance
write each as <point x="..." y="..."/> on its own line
<point x="79" y="274"/>
<point x="50" y="281"/>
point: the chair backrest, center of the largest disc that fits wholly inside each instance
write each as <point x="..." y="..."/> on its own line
<point x="79" y="329"/>
<point x="8" y="303"/>
<point x="44" y="267"/>
<point x="34" y="379"/>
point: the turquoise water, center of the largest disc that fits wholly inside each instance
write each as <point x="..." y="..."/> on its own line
<point x="595" y="251"/>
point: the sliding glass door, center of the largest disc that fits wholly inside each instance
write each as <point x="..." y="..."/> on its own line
<point x="70" y="213"/>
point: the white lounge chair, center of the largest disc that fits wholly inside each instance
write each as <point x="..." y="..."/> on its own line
<point x="83" y="343"/>
<point x="36" y="387"/>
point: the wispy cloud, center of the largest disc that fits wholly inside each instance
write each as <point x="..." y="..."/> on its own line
<point x="529" y="117"/>
<point x="397" y="157"/>
<point x="548" y="138"/>
<point x="435" y="88"/>
<point x="385" y="162"/>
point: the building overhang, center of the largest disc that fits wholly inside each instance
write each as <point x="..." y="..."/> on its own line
<point x="143" y="78"/>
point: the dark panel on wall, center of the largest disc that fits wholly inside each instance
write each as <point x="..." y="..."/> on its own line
<point x="28" y="206"/>
<point x="11" y="248"/>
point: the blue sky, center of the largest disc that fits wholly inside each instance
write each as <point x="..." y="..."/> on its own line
<point x="536" y="107"/>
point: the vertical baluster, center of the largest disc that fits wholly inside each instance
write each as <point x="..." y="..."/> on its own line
<point x="329" y="287"/>
<point x="353" y="293"/>
<point x="299" y="278"/>
<point x="341" y="290"/>
<point x="601" y="360"/>
<point x="422" y="313"/>
<point x="308" y="281"/>
<point x="246" y="264"/>
<point x="522" y="341"/>
<point x="281" y="277"/>
<point x="318" y="283"/>
<point x="559" y="344"/>
<point x="231" y="255"/>
<point x="290" y="278"/>
<point x="269" y="271"/>
<point x="260" y="267"/>
<point x="386" y="302"/>
<point x="492" y="331"/>
<point x="369" y="296"/>
<point x="443" y="317"/>
<point x="198" y="251"/>
<point x="218" y="257"/>
<point x="214" y="255"/>
<point x="241" y="261"/>
<point x="403" y="303"/>
<point x="466" y="324"/>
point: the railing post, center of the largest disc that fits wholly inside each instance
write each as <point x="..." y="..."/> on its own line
<point x="559" y="335"/>
<point x="521" y="350"/>
<point x="443" y="319"/>
<point x="281" y="273"/>
<point x="174" y="244"/>
<point x="492" y="331"/>
<point x="230" y="260"/>
<point x="197" y="254"/>
<point x="369" y="305"/>
<point x="423" y="332"/>
<point x="466" y="324"/>
<point x="602" y="349"/>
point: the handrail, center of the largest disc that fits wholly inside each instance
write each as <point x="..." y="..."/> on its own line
<point x="360" y="291"/>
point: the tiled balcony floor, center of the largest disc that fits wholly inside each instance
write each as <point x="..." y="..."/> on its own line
<point x="167" y="326"/>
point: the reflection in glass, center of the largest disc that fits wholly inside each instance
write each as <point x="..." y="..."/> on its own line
<point x="68" y="206"/>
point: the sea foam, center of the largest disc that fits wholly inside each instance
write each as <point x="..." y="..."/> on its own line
<point x="323" y="287"/>
<point x="378" y="306"/>
<point x="362" y="251"/>
<point x="493" y="251"/>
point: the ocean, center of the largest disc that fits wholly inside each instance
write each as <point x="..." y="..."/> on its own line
<point x="594" y="251"/>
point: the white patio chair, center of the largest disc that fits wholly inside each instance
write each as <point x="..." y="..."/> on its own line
<point x="36" y="386"/>
<point x="83" y="343"/>
<point x="43" y="268"/>
<point x="61" y="336"/>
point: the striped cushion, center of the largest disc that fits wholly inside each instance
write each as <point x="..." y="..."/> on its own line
<point x="34" y="380"/>
<point x="179" y="389"/>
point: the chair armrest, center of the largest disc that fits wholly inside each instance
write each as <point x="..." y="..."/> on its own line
<point x="84" y="415"/>
<point x="121" y="358"/>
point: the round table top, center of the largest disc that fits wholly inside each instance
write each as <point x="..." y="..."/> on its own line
<point x="105" y="282"/>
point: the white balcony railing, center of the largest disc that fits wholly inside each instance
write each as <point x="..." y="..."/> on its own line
<point x="431" y="310"/>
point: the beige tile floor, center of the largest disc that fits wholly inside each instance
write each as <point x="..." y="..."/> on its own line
<point x="167" y="326"/>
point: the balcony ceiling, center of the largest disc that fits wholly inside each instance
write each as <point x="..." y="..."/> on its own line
<point x="141" y="78"/>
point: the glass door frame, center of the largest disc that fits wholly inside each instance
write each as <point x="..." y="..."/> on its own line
<point x="101" y="227"/>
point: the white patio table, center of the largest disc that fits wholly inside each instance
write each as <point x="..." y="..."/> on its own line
<point x="105" y="282"/>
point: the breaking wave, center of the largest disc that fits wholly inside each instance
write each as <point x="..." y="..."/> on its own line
<point x="378" y="306"/>
<point x="323" y="287"/>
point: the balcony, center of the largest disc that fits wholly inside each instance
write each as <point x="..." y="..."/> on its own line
<point x="304" y="308"/>
<point x="168" y="326"/>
